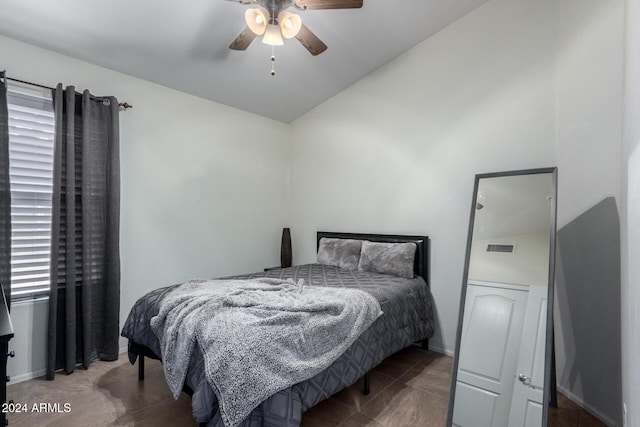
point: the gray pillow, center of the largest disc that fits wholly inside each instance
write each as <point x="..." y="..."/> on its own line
<point x="344" y="253"/>
<point x="388" y="258"/>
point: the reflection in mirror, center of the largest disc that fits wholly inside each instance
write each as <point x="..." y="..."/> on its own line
<point x="501" y="367"/>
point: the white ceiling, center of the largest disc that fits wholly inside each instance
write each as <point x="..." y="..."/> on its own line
<point x="184" y="45"/>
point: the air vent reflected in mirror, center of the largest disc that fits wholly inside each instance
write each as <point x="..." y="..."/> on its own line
<point x="504" y="248"/>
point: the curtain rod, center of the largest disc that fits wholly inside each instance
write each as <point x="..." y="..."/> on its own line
<point x="124" y="105"/>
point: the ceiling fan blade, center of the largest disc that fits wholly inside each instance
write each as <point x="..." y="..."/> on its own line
<point x="314" y="45"/>
<point x="329" y="4"/>
<point x="243" y="40"/>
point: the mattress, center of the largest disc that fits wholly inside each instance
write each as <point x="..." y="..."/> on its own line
<point x="407" y="318"/>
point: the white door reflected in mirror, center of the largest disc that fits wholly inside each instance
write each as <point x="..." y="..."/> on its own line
<point x="500" y="364"/>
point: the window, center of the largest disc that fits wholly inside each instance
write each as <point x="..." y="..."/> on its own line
<point x="31" y="132"/>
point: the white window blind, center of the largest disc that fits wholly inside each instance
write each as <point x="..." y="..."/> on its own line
<point x="31" y="132"/>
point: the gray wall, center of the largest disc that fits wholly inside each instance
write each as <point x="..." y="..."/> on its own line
<point x="587" y="315"/>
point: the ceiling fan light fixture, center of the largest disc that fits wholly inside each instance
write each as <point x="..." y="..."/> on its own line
<point x="272" y="36"/>
<point x="290" y="24"/>
<point x="256" y="20"/>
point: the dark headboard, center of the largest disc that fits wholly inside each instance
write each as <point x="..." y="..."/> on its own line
<point x="420" y="264"/>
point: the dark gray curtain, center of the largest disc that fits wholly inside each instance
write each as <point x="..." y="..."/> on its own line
<point x="5" y="193"/>
<point x="84" y="302"/>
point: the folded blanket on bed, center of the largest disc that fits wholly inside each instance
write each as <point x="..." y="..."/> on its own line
<point x="258" y="336"/>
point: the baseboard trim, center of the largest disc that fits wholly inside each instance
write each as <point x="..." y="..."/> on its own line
<point x="595" y="412"/>
<point x="15" y="379"/>
<point x="440" y="350"/>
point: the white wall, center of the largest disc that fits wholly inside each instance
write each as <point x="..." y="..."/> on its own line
<point x="203" y="187"/>
<point x="514" y="84"/>
<point x="528" y="265"/>
<point x="590" y="58"/>
<point x="398" y="151"/>
<point x="630" y="219"/>
<point x="588" y="104"/>
<point x="29" y="321"/>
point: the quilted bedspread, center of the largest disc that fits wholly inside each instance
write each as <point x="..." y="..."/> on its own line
<point x="407" y="318"/>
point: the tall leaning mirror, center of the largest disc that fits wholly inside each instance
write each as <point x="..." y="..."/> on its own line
<point x="502" y="365"/>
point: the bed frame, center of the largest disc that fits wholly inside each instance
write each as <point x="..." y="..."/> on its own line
<point x="420" y="268"/>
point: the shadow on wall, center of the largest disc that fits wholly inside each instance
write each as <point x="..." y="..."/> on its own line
<point x="588" y="331"/>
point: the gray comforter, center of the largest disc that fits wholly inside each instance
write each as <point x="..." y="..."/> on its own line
<point x="407" y="318"/>
<point x="258" y="336"/>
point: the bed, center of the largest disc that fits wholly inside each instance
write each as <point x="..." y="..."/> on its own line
<point x="407" y="320"/>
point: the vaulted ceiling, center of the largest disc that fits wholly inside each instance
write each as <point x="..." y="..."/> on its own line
<point x="185" y="45"/>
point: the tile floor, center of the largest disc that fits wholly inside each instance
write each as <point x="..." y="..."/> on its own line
<point x="411" y="388"/>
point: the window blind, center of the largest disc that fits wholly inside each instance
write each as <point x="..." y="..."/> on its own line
<point x="31" y="134"/>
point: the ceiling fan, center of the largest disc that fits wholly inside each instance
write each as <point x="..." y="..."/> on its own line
<point x="273" y="21"/>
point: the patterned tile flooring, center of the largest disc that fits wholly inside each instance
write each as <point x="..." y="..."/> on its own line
<point x="411" y="388"/>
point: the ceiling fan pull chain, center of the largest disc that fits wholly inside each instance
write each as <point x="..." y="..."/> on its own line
<point x="273" y="61"/>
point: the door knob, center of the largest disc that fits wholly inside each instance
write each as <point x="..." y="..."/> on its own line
<point x="524" y="379"/>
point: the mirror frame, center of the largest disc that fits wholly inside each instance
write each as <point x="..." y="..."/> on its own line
<point x="549" y="344"/>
